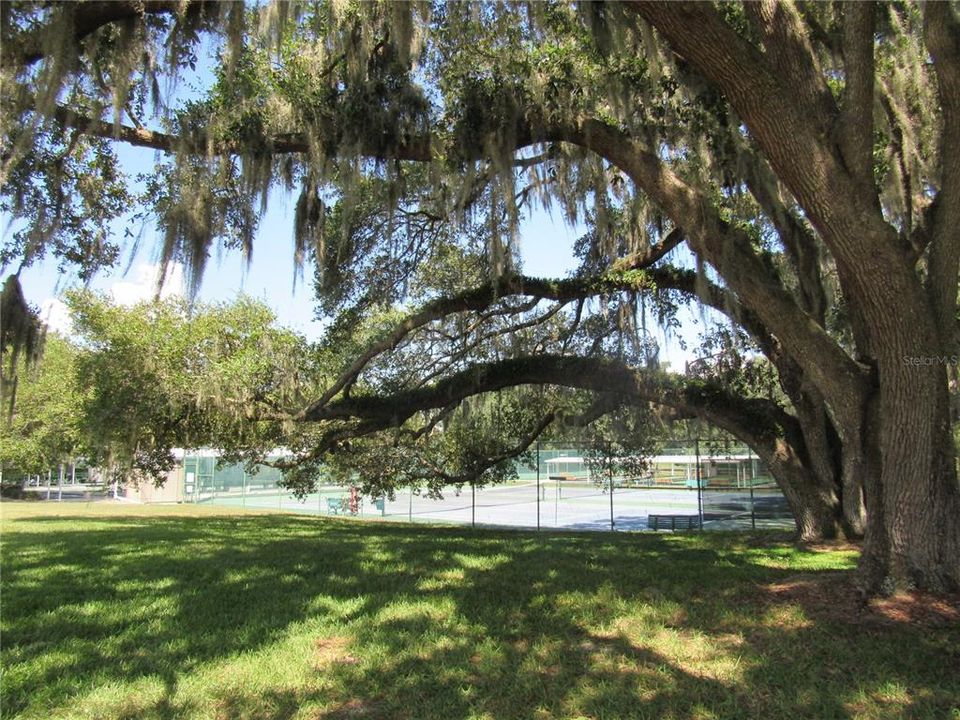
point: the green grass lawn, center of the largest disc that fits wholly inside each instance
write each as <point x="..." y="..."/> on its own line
<point x="123" y="612"/>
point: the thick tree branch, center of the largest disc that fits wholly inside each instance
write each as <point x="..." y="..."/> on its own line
<point x="801" y="154"/>
<point x="21" y="49"/>
<point x="791" y="56"/>
<point x="792" y="377"/>
<point x="798" y="240"/>
<point x="481" y="298"/>
<point x="621" y="278"/>
<point x="411" y="148"/>
<point x="727" y="248"/>
<point x="651" y="255"/>
<point x="856" y="119"/>
<point x="941" y="28"/>
<point x="806" y="399"/>
<point x="762" y="420"/>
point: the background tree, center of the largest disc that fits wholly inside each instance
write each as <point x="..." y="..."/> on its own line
<point x="165" y="374"/>
<point x="801" y="153"/>
<point x="46" y="427"/>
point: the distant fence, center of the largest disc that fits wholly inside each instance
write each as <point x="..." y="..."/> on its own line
<point x="66" y="474"/>
<point x="685" y="484"/>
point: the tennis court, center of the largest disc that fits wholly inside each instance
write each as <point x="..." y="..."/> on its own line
<point x="727" y="488"/>
<point x="575" y="505"/>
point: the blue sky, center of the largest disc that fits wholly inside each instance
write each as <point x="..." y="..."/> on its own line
<point x="546" y="246"/>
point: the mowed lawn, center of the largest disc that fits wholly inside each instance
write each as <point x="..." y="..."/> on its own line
<point x="122" y="612"/>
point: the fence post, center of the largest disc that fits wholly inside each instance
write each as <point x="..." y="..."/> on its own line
<point x="610" y="474"/>
<point x="243" y="487"/>
<point x="538" y="484"/>
<point x="753" y="514"/>
<point x="473" y="504"/>
<point x="699" y="484"/>
<point x="556" y="503"/>
<point x="410" y="510"/>
<point x="48" y="484"/>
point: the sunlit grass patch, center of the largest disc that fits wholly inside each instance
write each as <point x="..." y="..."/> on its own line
<point x="126" y="612"/>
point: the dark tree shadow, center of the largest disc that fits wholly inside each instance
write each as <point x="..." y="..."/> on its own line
<point x="464" y="623"/>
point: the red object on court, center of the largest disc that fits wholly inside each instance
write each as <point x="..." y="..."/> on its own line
<point x="354" y="500"/>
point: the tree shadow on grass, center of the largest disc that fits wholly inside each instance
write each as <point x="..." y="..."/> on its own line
<point x="429" y="622"/>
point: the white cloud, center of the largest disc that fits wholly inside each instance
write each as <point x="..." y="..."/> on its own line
<point x="54" y="313"/>
<point x="144" y="286"/>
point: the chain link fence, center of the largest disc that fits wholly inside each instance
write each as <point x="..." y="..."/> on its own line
<point x="50" y="484"/>
<point x="682" y="485"/>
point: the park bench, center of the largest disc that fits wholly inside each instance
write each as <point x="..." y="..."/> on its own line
<point x="341" y="506"/>
<point x="673" y="522"/>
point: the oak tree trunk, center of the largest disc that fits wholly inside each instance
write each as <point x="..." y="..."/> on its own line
<point x="913" y="528"/>
<point x="816" y="508"/>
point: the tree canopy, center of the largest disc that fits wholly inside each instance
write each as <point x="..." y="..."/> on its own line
<point x="791" y="165"/>
<point x="132" y="383"/>
<point x="164" y="374"/>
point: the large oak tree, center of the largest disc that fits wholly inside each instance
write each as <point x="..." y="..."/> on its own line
<point x="804" y="154"/>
